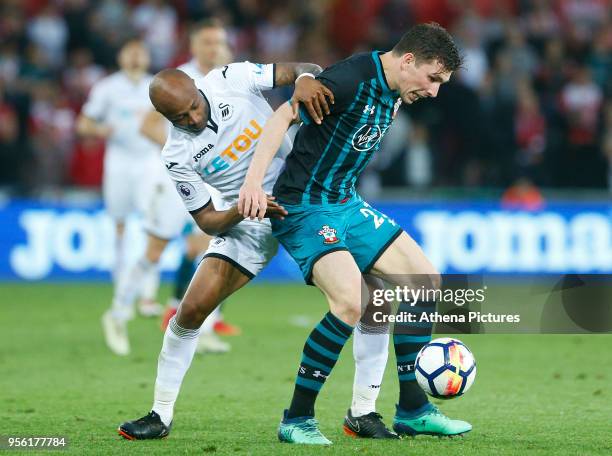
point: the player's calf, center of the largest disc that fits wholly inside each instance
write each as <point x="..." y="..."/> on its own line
<point x="211" y="285"/>
<point x="194" y="309"/>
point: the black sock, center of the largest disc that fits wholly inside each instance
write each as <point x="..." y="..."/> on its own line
<point x="302" y="403"/>
<point x="320" y="354"/>
<point x="408" y="339"/>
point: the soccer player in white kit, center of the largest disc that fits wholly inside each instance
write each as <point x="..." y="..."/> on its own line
<point x="165" y="215"/>
<point x="217" y="121"/>
<point x="113" y="111"/>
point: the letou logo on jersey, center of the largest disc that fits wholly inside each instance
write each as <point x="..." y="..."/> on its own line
<point x="237" y="147"/>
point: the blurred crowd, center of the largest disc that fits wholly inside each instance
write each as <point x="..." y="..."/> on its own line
<point x="532" y="103"/>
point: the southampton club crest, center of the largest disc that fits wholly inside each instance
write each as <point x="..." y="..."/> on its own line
<point x="329" y="235"/>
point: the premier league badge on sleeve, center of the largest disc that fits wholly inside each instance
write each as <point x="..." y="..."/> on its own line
<point x="329" y="235"/>
<point x="186" y="190"/>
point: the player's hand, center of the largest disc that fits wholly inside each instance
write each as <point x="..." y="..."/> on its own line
<point x="104" y="131"/>
<point x="252" y="201"/>
<point x="275" y="210"/>
<point x="314" y="96"/>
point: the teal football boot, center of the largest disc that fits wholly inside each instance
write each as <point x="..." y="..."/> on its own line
<point x="303" y="429"/>
<point x="428" y="420"/>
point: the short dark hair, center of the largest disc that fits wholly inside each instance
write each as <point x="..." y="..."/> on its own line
<point x="211" y="22"/>
<point x="430" y="42"/>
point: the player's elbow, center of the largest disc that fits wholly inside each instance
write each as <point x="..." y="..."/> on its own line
<point x="210" y="230"/>
<point x="82" y="125"/>
<point x="153" y="128"/>
<point x="210" y="227"/>
<point x="206" y="226"/>
<point x="146" y="131"/>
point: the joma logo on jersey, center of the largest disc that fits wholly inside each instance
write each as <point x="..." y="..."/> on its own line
<point x="243" y="142"/>
<point x="367" y="137"/>
<point x="200" y="154"/>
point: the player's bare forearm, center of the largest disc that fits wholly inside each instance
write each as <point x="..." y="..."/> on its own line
<point x="271" y="138"/>
<point x="287" y="73"/>
<point x="308" y="90"/>
<point x="154" y="128"/>
<point x="88" y="127"/>
<point x="252" y="200"/>
<point x="214" y="222"/>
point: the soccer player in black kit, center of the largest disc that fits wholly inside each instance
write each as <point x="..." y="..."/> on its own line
<point x="335" y="236"/>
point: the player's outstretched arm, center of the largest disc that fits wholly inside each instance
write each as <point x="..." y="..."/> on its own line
<point x="86" y="126"/>
<point x="153" y="127"/>
<point x="252" y="201"/>
<point x="215" y="222"/>
<point x="287" y="73"/>
<point x="309" y="91"/>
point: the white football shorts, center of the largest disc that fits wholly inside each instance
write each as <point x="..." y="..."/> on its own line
<point x="249" y="246"/>
<point x="165" y="213"/>
<point x="126" y="184"/>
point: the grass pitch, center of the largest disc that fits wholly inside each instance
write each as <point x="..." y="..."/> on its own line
<point x="533" y="394"/>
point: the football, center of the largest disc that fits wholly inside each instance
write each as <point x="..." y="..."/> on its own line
<point x="445" y="368"/>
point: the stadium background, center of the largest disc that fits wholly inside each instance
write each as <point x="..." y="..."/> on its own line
<point x="526" y="126"/>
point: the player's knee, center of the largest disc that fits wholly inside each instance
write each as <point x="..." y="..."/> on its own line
<point x="196" y="244"/>
<point x="153" y="255"/>
<point x="435" y="280"/>
<point x="428" y="280"/>
<point x="348" y="310"/>
<point x="188" y="315"/>
<point x="155" y="248"/>
<point x="191" y="251"/>
<point x="196" y="306"/>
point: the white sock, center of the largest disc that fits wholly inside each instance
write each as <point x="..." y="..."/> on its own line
<point x="370" y="350"/>
<point x="208" y="327"/>
<point x="118" y="265"/>
<point x="150" y="283"/>
<point x="174" y="360"/>
<point x="128" y="287"/>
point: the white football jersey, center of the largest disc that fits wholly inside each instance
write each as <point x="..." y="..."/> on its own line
<point x="191" y="69"/>
<point x="119" y="102"/>
<point x="220" y="155"/>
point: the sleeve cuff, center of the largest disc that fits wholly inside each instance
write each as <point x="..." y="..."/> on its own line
<point x="304" y="116"/>
<point x="201" y="208"/>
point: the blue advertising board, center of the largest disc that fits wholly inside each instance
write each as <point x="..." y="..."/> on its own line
<point x="42" y="241"/>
